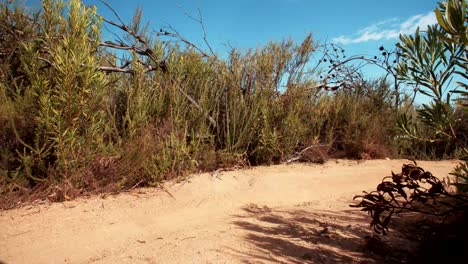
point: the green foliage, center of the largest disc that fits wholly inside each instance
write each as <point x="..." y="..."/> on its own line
<point x="452" y="17"/>
<point x="60" y="97"/>
<point x="461" y="177"/>
<point x="430" y="63"/>
<point x="64" y="120"/>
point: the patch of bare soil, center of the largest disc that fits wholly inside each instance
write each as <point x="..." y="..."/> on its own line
<point x="280" y="214"/>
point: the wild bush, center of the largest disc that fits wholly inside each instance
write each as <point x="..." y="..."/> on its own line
<point x="89" y="115"/>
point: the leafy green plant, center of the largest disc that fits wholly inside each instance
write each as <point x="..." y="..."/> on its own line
<point x="453" y="18"/>
<point x="430" y="63"/>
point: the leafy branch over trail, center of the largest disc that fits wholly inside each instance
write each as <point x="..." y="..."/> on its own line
<point x="429" y="60"/>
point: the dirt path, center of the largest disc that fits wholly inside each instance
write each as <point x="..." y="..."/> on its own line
<point x="291" y="214"/>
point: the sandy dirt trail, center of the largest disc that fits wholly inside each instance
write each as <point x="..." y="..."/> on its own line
<point x="280" y="214"/>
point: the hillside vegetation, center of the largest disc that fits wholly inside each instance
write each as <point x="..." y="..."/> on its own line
<point x="81" y="114"/>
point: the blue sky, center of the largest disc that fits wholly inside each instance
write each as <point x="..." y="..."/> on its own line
<point x="360" y="26"/>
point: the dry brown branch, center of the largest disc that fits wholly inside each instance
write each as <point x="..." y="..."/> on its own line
<point x="212" y="121"/>
<point x="147" y="51"/>
<point x="300" y="155"/>
<point x="122" y="69"/>
<point x="175" y="34"/>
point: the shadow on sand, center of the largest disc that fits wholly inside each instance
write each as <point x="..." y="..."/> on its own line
<point x="297" y="235"/>
<point x="303" y="234"/>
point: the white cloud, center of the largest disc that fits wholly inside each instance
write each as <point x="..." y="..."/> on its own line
<point x="389" y="29"/>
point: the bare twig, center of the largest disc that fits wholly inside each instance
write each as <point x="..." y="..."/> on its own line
<point x="175" y="34"/>
<point x="199" y="20"/>
<point x="147" y="51"/>
<point x="166" y="191"/>
<point x="113" y="11"/>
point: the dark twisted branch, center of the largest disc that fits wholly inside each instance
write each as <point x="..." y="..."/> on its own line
<point x="147" y="51"/>
<point x="175" y="34"/>
<point x="123" y="69"/>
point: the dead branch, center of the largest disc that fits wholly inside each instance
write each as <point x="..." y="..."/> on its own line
<point x="300" y="155"/>
<point x="175" y="34"/>
<point x="147" y="51"/>
<point x="212" y="121"/>
<point x="122" y="69"/>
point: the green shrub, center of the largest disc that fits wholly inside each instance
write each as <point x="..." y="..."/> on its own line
<point x="66" y="119"/>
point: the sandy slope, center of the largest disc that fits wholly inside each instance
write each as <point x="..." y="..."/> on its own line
<point x="288" y="213"/>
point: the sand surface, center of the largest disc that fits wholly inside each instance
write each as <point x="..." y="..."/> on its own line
<point x="295" y="213"/>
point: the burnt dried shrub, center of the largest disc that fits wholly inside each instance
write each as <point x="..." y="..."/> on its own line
<point x="422" y="213"/>
<point x="412" y="190"/>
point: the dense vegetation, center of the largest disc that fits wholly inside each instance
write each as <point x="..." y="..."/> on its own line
<point x="79" y="114"/>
